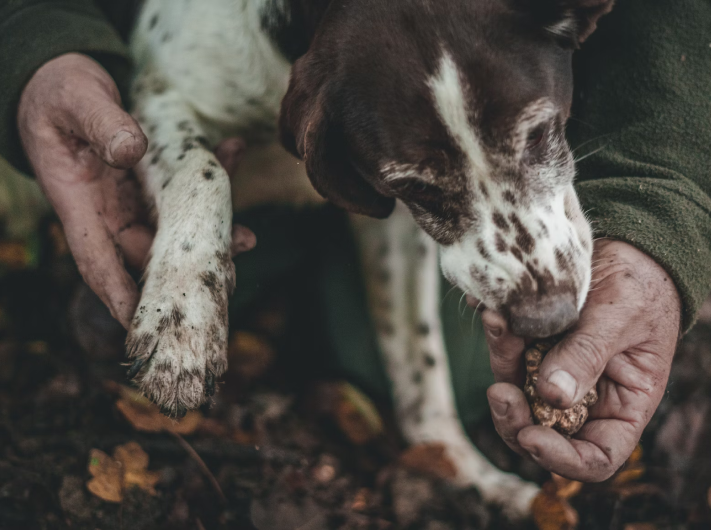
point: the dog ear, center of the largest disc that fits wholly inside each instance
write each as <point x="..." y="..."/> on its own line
<point x="309" y="133"/>
<point x="572" y="21"/>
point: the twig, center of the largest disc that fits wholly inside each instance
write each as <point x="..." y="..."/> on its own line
<point x="199" y="524"/>
<point x="200" y="462"/>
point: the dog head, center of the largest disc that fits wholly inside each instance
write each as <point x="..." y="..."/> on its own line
<point x="458" y="109"/>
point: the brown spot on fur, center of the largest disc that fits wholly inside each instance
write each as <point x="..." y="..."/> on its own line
<point x="562" y="259"/>
<point x="209" y="279"/>
<point x="140" y="345"/>
<point x="500" y="244"/>
<point x="173" y="319"/>
<point x="484" y="191"/>
<point x="429" y="360"/>
<point x="209" y="175"/>
<point x="524" y="239"/>
<point x="517" y="253"/>
<point x="500" y="221"/>
<point x="423" y="328"/>
<point x="482" y="250"/>
<point x="509" y="197"/>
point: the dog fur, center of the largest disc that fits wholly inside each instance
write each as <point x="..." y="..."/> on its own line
<point x="456" y="110"/>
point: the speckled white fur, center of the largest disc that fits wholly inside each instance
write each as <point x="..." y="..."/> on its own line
<point x="205" y="72"/>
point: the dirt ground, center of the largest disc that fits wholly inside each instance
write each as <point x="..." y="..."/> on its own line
<point x="281" y="447"/>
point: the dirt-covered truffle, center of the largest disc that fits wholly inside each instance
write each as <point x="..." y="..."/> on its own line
<point x="566" y="422"/>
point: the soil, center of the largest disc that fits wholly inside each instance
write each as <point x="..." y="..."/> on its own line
<point x="274" y="451"/>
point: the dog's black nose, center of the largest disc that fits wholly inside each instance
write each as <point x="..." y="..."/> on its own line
<point x="539" y="318"/>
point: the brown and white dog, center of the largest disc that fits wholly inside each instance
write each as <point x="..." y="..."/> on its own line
<point x="453" y="109"/>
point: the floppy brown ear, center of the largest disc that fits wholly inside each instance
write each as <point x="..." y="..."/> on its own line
<point x="308" y="132"/>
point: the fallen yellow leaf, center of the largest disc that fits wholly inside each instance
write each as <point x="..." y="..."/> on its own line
<point x="14" y="255"/>
<point x="430" y="459"/>
<point x="550" y="512"/>
<point x="135" y="463"/>
<point x="107" y="483"/>
<point x="250" y="355"/>
<point x="146" y="416"/>
<point x="356" y="415"/>
<point x="128" y="467"/>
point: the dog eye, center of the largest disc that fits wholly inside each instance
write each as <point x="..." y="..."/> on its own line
<point x="535" y="137"/>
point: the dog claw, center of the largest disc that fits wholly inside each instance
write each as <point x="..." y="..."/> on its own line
<point x="209" y="384"/>
<point x="135" y="368"/>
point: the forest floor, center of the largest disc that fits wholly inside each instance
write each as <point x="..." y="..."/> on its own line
<point x="280" y="447"/>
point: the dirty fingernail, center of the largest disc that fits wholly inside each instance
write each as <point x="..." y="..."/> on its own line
<point x="499" y="408"/>
<point x="565" y="382"/>
<point x="118" y="140"/>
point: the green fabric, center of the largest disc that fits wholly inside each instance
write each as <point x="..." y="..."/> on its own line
<point x="33" y="32"/>
<point x="312" y="255"/>
<point x="643" y="95"/>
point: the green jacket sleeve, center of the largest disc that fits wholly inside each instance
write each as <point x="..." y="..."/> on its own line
<point x="32" y="32"/>
<point x="642" y="113"/>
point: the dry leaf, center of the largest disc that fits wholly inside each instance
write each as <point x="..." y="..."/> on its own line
<point x="14" y="255"/>
<point x="356" y="415"/>
<point x="565" y="488"/>
<point x="128" y="467"/>
<point x="628" y="475"/>
<point x="636" y="455"/>
<point x="107" y="483"/>
<point x="550" y="512"/>
<point x="135" y="463"/>
<point x="632" y="470"/>
<point x="250" y="355"/>
<point x="146" y="416"/>
<point x="430" y="459"/>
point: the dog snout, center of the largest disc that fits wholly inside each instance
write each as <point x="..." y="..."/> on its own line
<point x="539" y="318"/>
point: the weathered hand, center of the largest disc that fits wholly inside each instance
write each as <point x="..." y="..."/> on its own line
<point x="80" y="142"/>
<point x="625" y="342"/>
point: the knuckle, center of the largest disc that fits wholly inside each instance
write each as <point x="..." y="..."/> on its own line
<point x="588" y="352"/>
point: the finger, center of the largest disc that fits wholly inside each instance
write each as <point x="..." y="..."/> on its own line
<point x="135" y="242"/>
<point x="574" y="365"/>
<point x="243" y="239"/>
<point x="110" y="131"/>
<point x="598" y="450"/>
<point x="505" y="349"/>
<point x="95" y="252"/>
<point x="230" y="153"/>
<point x="510" y="412"/>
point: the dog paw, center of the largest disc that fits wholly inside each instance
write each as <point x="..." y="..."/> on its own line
<point x="513" y="495"/>
<point x="178" y="336"/>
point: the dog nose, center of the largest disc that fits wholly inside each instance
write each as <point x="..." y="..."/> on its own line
<point x="543" y="317"/>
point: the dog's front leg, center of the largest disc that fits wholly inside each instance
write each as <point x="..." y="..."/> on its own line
<point x="403" y="282"/>
<point x="178" y="336"/>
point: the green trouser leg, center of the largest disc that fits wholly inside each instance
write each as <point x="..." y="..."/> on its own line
<point x="316" y="245"/>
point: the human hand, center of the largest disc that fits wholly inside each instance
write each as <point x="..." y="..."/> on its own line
<point x="80" y="142"/>
<point x="624" y="341"/>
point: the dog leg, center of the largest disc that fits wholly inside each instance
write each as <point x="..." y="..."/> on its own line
<point x="403" y="283"/>
<point x="178" y="336"/>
